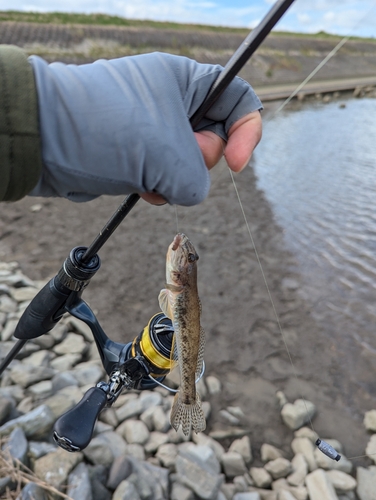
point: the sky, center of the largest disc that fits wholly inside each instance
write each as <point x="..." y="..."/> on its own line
<point x="343" y="17"/>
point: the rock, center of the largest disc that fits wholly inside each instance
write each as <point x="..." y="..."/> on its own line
<point x="240" y="482"/>
<point x="108" y="416"/>
<point x="32" y="491"/>
<point x="366" y="479"/>
<point x="25" y="375"/>
<point x="305" y="446"/>
<point x="229" y="433"/>
<point x="247" y="496"/>
<point x="213" y="384"/>
<point x="150" y="398"/>
<point x="341" y="481"/>
<point x="17" y="445"/>
<point x="135" y="431"/>
<point x="307" y="433"/>
<point x="40" y="358"/>
<point x="242" y="446"/>
<point x="261" y="477"/>
<point x="202" y="455"/>
<point x="102" y="427"/>
<point x="147" y="417"/>
<point x="9" y="329"/>
<point x="229" y="490"/>
<point x="161" y="421"/>
<point x="38" y="449"/>
<point x="233" y="464"/>
<point x="66" y="362"/>
<point x="104" y="448"/>
<point x="88" y="373"/>
<point x="181" y="492"/>
<point x="126" y="491"/>
<point x="132" y="408"/>
<point x="205" y="440"/>
<point x="34" y="424"/>
<point x="136" y="451"/>
<point x="55" y="467"/>
<point x="6" y="405"/>
<point x="300" y="470"/>
<point x="299" y="492"/>
<point x="371" y="448"/>
<point x="370" y="420"/>
<point x="167" y="454"/>
<point x="285" y="495"/>
<point x="280" y="467"/>
<point x="63" y="400"/>
<point x="41" y="389"/>
<point x="297" y="414"/>
<point x="270" y="452"/>
<point x="12" y="392"/>
<point x="6" y="482"/>
<point x="121" y="468"/>
<point x="61" y="380"/>
<point x="24" y="293"/>
<point x="327" y="463"/>
<point x="7" y="305"/>
<point x="319" y="486"/>
<point x="190" y="473"/>
<point x="79" y="487"/>
<point x="81" y="328"/>
<point x="228" y="418"/>
<point x="72" y="344"/>
<point x="156" y="439"/>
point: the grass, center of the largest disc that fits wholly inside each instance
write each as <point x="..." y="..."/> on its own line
<point x="107" y="20"/>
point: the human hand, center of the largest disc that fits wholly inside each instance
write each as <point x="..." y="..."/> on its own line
<point x="243" y="137"/>
<point x="123" y="126"/>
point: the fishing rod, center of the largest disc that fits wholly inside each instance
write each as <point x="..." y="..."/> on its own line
<point x="143" y="363"/>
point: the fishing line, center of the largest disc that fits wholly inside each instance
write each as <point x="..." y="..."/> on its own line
<point x="176" y="218"/>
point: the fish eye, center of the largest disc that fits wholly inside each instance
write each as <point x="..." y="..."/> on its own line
<point x="192" y="257"/>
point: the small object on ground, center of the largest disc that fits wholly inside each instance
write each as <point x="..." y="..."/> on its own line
<point x="328" y="450"/>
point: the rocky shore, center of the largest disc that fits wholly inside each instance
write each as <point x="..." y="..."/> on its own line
<point x="135" y="455"/>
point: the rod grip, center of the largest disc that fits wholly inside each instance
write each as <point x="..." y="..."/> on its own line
<point x="74" y="430"/>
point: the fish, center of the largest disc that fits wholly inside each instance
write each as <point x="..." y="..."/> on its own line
<point x="180" y="302"/>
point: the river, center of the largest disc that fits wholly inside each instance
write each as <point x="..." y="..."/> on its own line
<point x="317" y="166"/>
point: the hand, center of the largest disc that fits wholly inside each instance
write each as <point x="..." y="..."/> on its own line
<point x="243" y="137"/>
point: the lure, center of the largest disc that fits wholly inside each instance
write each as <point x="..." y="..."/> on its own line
<point x="328" y="450"/>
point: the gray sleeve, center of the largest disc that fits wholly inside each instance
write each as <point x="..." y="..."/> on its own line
<point x="122" y="126"/>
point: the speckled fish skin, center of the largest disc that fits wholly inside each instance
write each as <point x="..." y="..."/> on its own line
<point x="181" y="303"/>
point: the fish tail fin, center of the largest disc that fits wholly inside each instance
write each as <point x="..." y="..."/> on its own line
<point x="189" y="416"/>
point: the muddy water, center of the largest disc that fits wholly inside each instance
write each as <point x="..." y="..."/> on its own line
<point x="317" y="167"/>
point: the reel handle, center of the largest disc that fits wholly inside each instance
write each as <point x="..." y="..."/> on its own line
<point x="73" y="430"/>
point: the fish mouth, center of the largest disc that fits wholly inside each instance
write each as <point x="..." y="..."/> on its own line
<point x="178" y="241"/>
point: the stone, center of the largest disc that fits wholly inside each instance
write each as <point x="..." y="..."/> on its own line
<point x="270" y="452"/>
<point x="66" y="362"/>
<point x="282" y="400"/>
<point x="181" y="492"/>
<point x="24" y="293"/>
<point x="156" y="439"/>
<point x="308" y="433"/>
<point x="25" y="375"/>
<point x="79" y="487"/>
<point x="32" y="491"/>
<point x="261" y="477"/>
<point x="55" y="467"/>
<point x="305" y="446"/>
<point x="161" y="421"/>
<point x="126" y="491"/>
<point x="40" y="358"/>
<point x="280" y="467"/>
<point x="327" y="463"/>
<point x="370" y="420"/>
<point x="108" y="416"/>
<point x="159" y="478"/>
<point x="150" y="398"/>
<point x="366" y="479"/>
<point x="319" y="486"/>
<point x="45" y="341"/>
<point x="205" y="484"/>
<point x="205" y="440"/>
<point x="38" y="449"/>
<point x="59" y="332"/>
<point x="213" y="384"/>
<point x="227" y="417"/>
<point x="229" y="490"/>
<point x="88" y="373"/>
<point x="300" y="470"/>
<point x="297" y="414"/>
<point x="61" y="380"/>
<point x="250" y="495"/>
<point x="9" y="329"/>
<point x="7" y="305"/>
<point x="136" y="451"/>
<point x="17" y="445"/>
<point x="6" y="405"/>
<point x="167" y="454"/>
<point x="132" y="408"/>
<point x="147" y="417"/>
<point x="371" y="448"/>
<point x="121" y="468"/>
<point x="285" y="495"/>
<point x="135" y="431"/>
<point x="81" y="328"/>
<point x="34" y="424"/>
<point x="233" y="464"/>
<point x="241" y="483"/>
<point x="41" y="389"/>
<point x="242" y="446"/>
<point x="341" y="481"/>
<point x="12" y="392"/>
<point x="72" y="344"/>
<point x="103" y="448"/>
<point x="229" y="433"/>
<point x="61" y="402"/>
<point x="299" y="492"/>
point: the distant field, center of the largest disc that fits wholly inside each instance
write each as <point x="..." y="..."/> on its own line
<point x="107" y="20"/>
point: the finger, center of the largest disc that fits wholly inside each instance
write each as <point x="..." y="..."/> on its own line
<point x="211" y="145"/>
<point x="153" y="198"/>
<point x="243" y="137"/>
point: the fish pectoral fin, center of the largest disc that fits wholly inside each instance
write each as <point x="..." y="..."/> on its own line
<point x="164" y="300"/>
<point x="200" y="356"/>
<point x="188" y="416"/>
